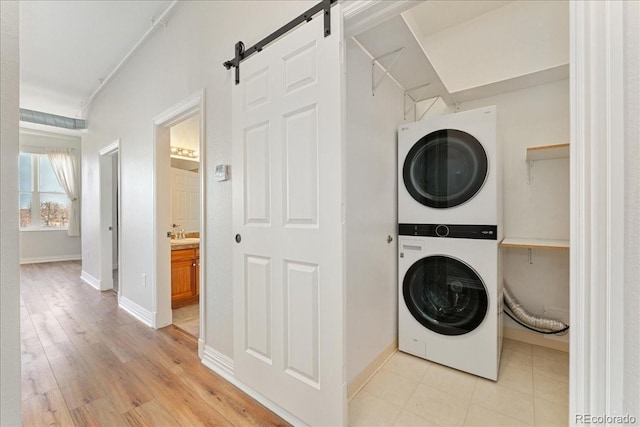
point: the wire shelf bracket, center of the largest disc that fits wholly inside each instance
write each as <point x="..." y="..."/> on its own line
<point x="387" y="70"/>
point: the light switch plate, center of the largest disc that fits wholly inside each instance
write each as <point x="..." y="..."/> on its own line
<point x="221" y="173"/>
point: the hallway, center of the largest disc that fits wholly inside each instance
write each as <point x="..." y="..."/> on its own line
<point x="86" y="362"/>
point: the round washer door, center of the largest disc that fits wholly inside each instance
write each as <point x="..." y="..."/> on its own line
<point x="445" y="168"/>
<point x="445" y="295"/>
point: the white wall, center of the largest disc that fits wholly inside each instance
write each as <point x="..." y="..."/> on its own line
<point x="49" y="245"/>
<point x="506" y="43"/>
<point x="186" y="134"/>
<point x="174" y="63"/>
<point x="10" y="395"/>
<point x="533" y="117"/>
<point x="371" y="212"/>
<point x="632" y="212"/>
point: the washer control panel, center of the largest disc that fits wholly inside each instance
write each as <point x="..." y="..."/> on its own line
<point x="454" y="231"/>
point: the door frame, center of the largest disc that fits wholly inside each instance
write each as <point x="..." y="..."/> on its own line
<point x="597" y="191"/>
<point x="106" y="205"/>
<point x="161" y="288"/>
<point x="596" y="41"/>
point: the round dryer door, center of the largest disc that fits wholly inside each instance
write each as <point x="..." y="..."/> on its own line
<point x="445" y="295"/>
<point x="445" y="168"/>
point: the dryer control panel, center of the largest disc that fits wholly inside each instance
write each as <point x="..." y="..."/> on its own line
<point x="454" y="231"/>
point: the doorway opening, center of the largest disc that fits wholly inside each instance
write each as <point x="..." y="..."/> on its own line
<point x="184" y="139"/>
<point x="110" y="217"/>
<point x="179" y="287"/>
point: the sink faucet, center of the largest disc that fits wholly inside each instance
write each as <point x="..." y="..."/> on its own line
<point x="180" y="233"/>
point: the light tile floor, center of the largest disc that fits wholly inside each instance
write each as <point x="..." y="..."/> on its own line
<point x="188" y="319"/>
<point x="532" y="389"/>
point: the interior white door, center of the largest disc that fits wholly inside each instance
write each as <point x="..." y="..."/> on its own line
<point x="289" y="319"/>
<point x="185" y="199"/>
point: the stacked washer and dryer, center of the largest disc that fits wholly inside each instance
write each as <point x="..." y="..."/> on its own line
<point x="450" y="227"/>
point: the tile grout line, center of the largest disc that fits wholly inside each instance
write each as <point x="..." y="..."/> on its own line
<point x="466" y="415"/>
<point x="404" y="407"/>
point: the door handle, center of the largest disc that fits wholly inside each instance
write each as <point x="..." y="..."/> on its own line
<point x="238" y="238"/>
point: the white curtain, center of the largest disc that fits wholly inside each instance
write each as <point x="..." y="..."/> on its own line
<point x="65" y="166"/>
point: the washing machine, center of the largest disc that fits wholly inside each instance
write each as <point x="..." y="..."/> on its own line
<point x="450" y="296"/>
<point x="449" y="169"/>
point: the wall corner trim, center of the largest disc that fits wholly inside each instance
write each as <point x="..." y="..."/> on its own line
<point x="140" y="313"/>
<point x="90" y="280"/>
<point x="370" y="370"/>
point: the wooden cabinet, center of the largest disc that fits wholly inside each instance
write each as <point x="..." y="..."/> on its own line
<point x="185" y="277"/>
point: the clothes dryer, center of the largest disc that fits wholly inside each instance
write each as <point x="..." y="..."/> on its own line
<point x="450" y="297"/>
<point x="449" y="170"/>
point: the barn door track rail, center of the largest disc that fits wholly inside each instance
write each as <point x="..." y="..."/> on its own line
<point x="242" y="53"/>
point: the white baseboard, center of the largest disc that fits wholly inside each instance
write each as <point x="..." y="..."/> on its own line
<point x="55" y="258"/>
<point x="217" y="361"/>
<point x="531" y="337"/>
<point x="201" y="349"/>
<point x="90" y="280"/>
<point x="363" y="377"/>
<point x="223" y="366"/>
<point x="140" y="313"/>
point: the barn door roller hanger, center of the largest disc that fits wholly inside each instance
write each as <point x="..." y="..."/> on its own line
<point x="242" y="53"/>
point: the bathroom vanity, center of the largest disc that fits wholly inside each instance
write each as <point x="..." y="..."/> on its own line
<point x="185" y="272"/>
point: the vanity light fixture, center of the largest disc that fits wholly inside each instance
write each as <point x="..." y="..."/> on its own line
<point x="184" y="152"/>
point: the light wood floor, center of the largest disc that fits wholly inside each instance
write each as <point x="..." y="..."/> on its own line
<point x="86" y="362"/>
<point x="188" y="319"/>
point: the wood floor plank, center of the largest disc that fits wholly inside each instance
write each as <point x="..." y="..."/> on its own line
<point x="150" y="414"/>
<point x="121" y="385"/>
<point x="135" y="338"/>
<point x="65" y="369"/>
<point x="80" y="334"/>
<point x="27" y="331"/>
<point x="75" y="380"/>
<point x="81" y="390"/>
<point x="236" y="406"/>
<point x="98" y="413"/>
<point x="86" y="362"/>
<point x="48" y="329"/>
<point x="183" y="403"/>
<point x="48" y="409"/>
<point x="33" y="300"/>
<point x="37" y="377"/>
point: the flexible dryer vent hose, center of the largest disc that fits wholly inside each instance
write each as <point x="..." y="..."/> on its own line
<point x="529" y="319"/>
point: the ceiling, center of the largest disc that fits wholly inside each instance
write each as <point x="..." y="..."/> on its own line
<point x="67" y="47"/>
<point x="470" y="49"/>
<point x="434" y="16"/>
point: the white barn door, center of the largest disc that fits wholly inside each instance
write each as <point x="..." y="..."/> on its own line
<point x="289" y="319"/>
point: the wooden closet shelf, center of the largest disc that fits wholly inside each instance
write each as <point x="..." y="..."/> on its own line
<point x="517" y="242"/>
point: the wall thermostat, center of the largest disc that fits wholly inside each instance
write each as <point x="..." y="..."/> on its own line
<point x="222" y="172"/>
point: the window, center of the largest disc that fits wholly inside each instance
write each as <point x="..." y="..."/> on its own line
<point x="39" y="188"/>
